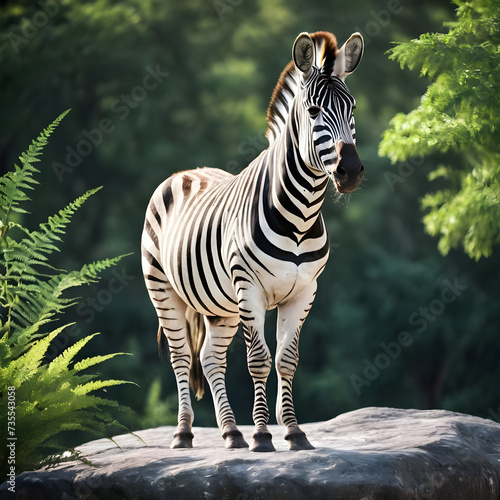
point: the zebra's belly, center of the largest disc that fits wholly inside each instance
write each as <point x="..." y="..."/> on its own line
<point x="206" y="294"/>
<point x="215" y="296"/>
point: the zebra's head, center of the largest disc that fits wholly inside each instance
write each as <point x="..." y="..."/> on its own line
<point x="324" y="106"/>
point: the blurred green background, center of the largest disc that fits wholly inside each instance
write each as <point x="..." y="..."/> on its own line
<point x="161" y="86"/>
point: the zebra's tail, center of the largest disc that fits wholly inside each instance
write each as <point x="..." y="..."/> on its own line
<point x="162" y="342"/>
<point x="196" y="336"/>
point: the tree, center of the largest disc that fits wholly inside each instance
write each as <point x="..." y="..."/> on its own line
<point x="458" y="119"/>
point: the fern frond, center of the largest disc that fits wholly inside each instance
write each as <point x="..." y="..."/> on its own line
<point x="20" y="368"/>
<point x="61" y="363"/>
<point x="56" y="224"/>
<point x="13" y="185"/>
<point x="96" y="385"/>
<point x="88" y="362"/>
<point x="92" y="270"/>
<point x="42" y="301"/>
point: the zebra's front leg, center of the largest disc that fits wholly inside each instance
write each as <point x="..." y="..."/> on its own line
<point x="252" y="315"/>
<point x="259" y="366"/>
<point x="291" y="316"/>
<point x="219" y="334"/>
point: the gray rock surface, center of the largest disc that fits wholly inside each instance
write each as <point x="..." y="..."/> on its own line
<point x="372" y="453"/>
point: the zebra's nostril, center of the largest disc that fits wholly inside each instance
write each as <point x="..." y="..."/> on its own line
<point x="340" y="172"/>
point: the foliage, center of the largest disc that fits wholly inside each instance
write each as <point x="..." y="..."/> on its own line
<point x="50" y="396"/>
<point x="459" y="113"/>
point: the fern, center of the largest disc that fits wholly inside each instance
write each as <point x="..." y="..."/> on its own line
<point x="50" y="396"/>
<point x="53" y="397"/>
<point x="37" y="301"/>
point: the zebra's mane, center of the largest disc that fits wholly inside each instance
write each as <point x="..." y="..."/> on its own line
<point x="289" y="81"/>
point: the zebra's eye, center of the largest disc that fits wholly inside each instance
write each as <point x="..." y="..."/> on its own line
<point x="314" y="111"/>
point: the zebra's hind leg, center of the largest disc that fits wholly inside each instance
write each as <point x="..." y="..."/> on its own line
<point x="291" y="316"/>
<point x="180" y="358"/>
<point x="219" y="334"/>
<point x="171" y="311"/>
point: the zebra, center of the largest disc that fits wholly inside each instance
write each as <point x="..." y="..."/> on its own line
<point x="219" y="250"/>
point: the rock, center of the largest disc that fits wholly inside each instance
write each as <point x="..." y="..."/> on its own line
<point x="372" y="453"/>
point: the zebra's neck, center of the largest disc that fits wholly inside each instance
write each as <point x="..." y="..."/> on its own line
<point x="293" y="193"/>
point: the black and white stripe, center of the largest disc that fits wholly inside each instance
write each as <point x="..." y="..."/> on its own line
<point x="230" y="248"/>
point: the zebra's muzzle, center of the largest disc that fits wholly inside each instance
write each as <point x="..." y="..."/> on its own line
<point x="349" y="170"/>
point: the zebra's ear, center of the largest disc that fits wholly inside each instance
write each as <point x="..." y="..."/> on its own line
<point x="349" y="55"/>
<point x="303" y="53"/>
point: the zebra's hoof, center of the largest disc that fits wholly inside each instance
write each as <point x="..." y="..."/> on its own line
<point x="234" y="439"/>
<point x="298" y="441"/>
<point x="262" y="442"/>
<point x="182" y="440"/>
